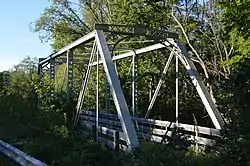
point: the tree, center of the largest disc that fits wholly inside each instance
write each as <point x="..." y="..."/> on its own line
<point x="21" y="77"/>
<point x="235" y="17"/>
<point x="61" y="23"/>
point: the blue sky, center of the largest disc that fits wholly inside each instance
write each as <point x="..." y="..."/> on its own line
<point x="16" y="39"/>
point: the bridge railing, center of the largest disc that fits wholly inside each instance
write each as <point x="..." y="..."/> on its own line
<point x="19" y="156"/>
<point x="110" y="130"/>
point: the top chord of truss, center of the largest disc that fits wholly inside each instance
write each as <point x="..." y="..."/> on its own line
<point x="115" y="29"/>
<point x="136" y="31"/>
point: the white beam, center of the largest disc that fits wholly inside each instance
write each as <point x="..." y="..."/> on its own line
<point x="117" y="93"/>
<point x="199" y="85"/>
<point x="70" y="46"/>
<point x="138" y="51"/>
<point x="157" y="90"/>
<point x="18" y="156"/>
<point x="84" y="84"/>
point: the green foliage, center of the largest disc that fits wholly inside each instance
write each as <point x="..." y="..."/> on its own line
<point x="235" y="16"/>
<point x="60" y="23"/>
<point x="151" y="154"/>
<point x="45" y="133"/>
<point x="234" y="102"/>
<point x="140" y="12"/>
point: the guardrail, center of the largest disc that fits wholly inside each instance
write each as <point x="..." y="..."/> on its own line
<point x="19" y="156"/>
<point x="147" y="129"/>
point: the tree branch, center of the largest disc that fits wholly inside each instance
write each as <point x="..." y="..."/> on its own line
<point x="190" y="45"/>
<point x="67" y="6"/>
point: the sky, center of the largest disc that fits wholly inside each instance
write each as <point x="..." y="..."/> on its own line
<point x="16" y="39"/>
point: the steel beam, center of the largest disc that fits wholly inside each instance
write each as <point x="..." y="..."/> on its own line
<point x="97" y="96"/>
<point x="136" y="31"/>
<point x="52" y="79"/>
<point x="69" y="75"/>
<point x="117" y="93"/>
<point x="199" y="85"/>
<point x="19" y="156"/>
<point x="39" y="70"/>
<point x="135" y="85"/>
<point x="84" y="85"/>
<point x="176" y="90"/>
<point x="40" y="67"/>
<point x="41" y="74"/>
<point x="107" y="97"/>
<point x="60" y="61"/>
<point x="157" y="90"/>
<point x="76" y="43"/>
<point x="138" y="51"/>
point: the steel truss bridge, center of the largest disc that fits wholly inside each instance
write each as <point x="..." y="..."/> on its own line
<point x="101" y="45"/>
<point x="122" y="129"/>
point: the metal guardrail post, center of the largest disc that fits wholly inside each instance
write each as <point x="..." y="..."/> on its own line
<point x="116" y="140"/>
<point x="94" y="131"/>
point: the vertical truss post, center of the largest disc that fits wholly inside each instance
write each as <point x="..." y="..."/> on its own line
<point x="41" y="74"/>
<point x="199" y="85"/>
<point x="117" y="93"/>
<point x="42" y="82"/>
<point x="150" y="89"/>
<point x="52" y="79"/>
<point x="69" y="75"/>
<point x="107" y="97"/>
<point x="107" y="92"/>
<point x="176" y="90"/>
<point x="159" y="84"/>
<point x="97" y="95"/>
<point x="135" y="85"/>
<point x="39" y="68"/>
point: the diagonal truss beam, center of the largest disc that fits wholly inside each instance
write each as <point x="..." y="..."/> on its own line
<point x="199" y="85"/>
<point x="117" y="93"/>
<point x="180" y="51"/>
<point x="84" y="84"/>
<point x="159" y="84"/>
